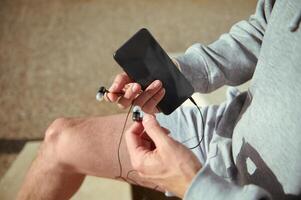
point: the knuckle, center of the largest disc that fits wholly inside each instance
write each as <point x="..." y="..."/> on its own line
<point x="149" y="93"/>
<point x="155" y="99"/>
<point x="147" y="109"/>
<point x="118" y="77"/>
<point x="123" y="77"/>
<point x="129" y="94"/>
<point x="137" y="165"/>
<point x="118" y="80"/>
<point x="151" y="104"/>
<point x="142" y="175"/>
<point x="144" y="97"/>
<point x="124" y="74"/>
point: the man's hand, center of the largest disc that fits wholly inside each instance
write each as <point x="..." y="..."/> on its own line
<point x="160" y="159"/>
<point x="147" y="99"/>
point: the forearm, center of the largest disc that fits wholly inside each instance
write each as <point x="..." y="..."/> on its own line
<point x="230" y="60"/>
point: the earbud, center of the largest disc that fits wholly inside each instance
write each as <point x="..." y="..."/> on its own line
<point x="137" y="114"/>
<point x="101" y="93"/>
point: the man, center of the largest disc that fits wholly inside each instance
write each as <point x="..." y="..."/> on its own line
<point x="251" y="142"/>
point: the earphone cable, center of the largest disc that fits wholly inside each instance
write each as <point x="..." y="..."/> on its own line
<point x="203" y="123"/>
<point x="122" y="134"/>
<point x="119" y="144"/>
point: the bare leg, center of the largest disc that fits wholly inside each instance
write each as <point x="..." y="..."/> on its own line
<point x="74" y="148"/>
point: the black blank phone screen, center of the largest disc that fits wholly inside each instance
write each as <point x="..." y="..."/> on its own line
<point x="143" y="59"/>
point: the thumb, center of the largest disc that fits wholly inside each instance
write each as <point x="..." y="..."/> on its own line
<point x="153" y="129"/>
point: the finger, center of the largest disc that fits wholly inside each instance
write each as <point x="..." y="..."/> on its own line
<point x="129" y="95"/>
<point x="118" y="94"/>
<point x="149" y="92"/>
<point x="152" y="127"/>
<point x="166" y="131"/>
<point x="134" y="143"/>
<point x="119" y="82"/>
<point x="145" y="137"/>
<point x="151" y="104"/>
<point x="117" y="87"/>
<point x="132" y="136"/>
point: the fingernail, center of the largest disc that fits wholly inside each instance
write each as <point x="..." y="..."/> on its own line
<point x="157" y="83"/>
<point x="135" y="87"/>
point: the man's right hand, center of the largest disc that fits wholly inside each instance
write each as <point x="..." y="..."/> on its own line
<point x="147" y="99"/>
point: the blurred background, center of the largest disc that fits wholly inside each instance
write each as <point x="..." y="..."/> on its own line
<point x="55" y="54"/>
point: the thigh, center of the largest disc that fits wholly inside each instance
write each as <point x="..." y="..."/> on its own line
<point x="193" y="129"/>
<point x="95" y="146"/>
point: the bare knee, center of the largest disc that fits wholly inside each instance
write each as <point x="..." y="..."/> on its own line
<point x="52" y="145"/>
<point x="55" y="130"/>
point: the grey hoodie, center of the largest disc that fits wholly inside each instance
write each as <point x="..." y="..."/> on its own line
<point x="256" y="151"/>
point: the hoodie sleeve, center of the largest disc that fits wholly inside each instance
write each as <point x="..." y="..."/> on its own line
<point x="208" y="185"/>
<point x="230" y="60"/>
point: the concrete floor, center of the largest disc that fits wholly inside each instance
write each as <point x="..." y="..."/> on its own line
<point x="54" y="54"/>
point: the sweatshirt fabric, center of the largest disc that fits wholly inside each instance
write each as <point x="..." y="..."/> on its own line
<point x="256" y="153"/>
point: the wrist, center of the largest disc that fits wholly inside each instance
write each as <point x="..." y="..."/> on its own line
<point x="183" y="182"/>
<point x="189" y="178"/>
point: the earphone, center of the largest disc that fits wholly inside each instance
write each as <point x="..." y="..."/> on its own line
<point x="101" y="93"/>
<point x="136" y="113"/>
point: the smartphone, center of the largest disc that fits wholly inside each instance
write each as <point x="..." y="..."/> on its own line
<point x="143" y="59"/>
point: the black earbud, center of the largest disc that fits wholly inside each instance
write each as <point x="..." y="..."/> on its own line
<point x="137" y="115"/>
<point x="101" y="93"/>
